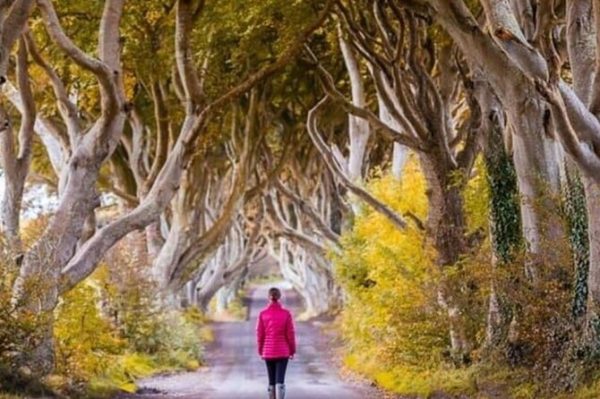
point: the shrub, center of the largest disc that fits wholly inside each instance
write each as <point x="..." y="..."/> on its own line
<point x="111" y="330"/>
<point x="391" y="312"/>
<point x="394" y="329"/>
<point x="19" y="328"/>
<point x="396" y="333"/>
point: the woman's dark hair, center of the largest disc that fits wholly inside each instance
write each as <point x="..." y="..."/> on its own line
<point x="274" y="294"/>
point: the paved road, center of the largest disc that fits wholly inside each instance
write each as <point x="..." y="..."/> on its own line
<point x="235" y="372"/>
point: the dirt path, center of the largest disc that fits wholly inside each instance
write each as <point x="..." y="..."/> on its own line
<point x="236" y="372"/>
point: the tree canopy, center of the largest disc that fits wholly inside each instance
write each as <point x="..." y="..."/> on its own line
<point x="427" y="170"/>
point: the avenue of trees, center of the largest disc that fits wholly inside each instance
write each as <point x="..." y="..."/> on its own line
<point x="427" y="170"/>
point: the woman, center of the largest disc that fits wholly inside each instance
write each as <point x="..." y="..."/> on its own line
<point x="276" y="342"/>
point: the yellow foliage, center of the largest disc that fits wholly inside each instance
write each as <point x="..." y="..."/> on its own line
<point x="477" y="198"/>
<point x="109" y="335"/>
<point x="84" y="339"/>
<point x="391" y="314"/>
<point x="394" y="329"/>
<point x="590" y="391"/>
<point x="424" y="383"/>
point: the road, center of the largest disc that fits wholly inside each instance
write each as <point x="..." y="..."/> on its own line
<point x="236" y="372"/>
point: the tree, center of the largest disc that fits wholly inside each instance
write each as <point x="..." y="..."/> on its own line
<point x="67" y="251"/>
<point x="411" y="72"/>
<point x="524" y="42"/>
<point x="15" y="160"/>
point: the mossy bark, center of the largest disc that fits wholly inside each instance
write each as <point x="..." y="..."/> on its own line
<point x="505" y="218"/>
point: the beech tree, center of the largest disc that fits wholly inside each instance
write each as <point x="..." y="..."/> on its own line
<point x="428" y="115"/>
<point x="517" y="40"/>
<point x="301" y="233"/>
<point x="16" y="159"/>
<point x="71" y="247"/>
<point x="225" y="132"/>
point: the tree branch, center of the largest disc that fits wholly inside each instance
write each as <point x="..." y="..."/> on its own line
<point x="66" y="108"/>
<point x="336" y="170"/>
<point x="310" y="212"/>
<point x="595" y="90"/>
<point x="12" y="25"/>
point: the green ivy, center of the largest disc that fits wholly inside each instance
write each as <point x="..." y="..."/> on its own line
<point x="505" y="217"/>
<point x="575" y="207"/>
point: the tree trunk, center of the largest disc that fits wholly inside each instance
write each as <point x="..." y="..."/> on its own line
<point x="505" y="223"/>
<point x="171" y="251"/>
<point x="154" y="239"/>
<point x="399" y="158"/>
<point x="575" y="204"/>
<point x="447" y="227"/>
<point x="15" y="155"/>
<point x="537" y="161"/>
<point x="211" y="279"/>
<point x="222" y="298"/>
<point x="592" y="192"/>
<point x="42" y="264"/>
<point x="10" y="208"/>
<point x="536" y="156"/>
<point x="583" y="191"/>
<point x="358" y="128"/>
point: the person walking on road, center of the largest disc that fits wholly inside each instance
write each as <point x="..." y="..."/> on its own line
<point x="276" y="341"/>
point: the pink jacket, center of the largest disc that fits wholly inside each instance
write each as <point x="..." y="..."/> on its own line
<point x="275" y="335"/>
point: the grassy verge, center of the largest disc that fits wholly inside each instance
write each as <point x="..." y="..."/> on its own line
<point x="470" y="382"/>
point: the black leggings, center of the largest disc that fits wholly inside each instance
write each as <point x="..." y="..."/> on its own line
<point x="276" y="369"/>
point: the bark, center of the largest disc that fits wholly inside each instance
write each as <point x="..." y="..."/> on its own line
<point x="399" y="158"/>
<point x="446" y="219"/>
<point x="537" y="163"/>
<point x="592" y="197"/>
<point x="505" y="223"/>
<point x="154" y="239"/>
<point x="536" y="155"/>
<point x="14" y="181"/>
<point x="15" y="157"/>
<point x="581" y="46"/>
<point x="13" y="19"/>
<point x="446" y="226"/>
<point x="358" y="128"/>
<point x="580" y="190"/>
<point x="594" y="102"/>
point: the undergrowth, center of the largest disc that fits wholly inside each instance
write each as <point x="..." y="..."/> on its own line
<point x="396" y="331"/>
<point x="109" y="331"/>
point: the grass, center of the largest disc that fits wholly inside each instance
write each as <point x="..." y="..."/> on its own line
<point x="412" y="381"/>
<point x="473" y="382"/>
